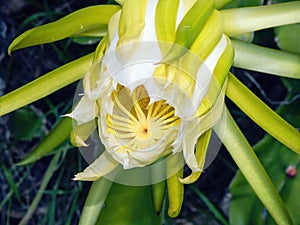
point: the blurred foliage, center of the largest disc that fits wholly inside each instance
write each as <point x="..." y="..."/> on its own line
<point x="26" y="124"/>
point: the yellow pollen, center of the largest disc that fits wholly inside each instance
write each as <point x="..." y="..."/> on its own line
<point x="135" y="123"/>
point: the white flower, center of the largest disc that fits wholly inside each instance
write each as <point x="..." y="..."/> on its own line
<point x="151" y="97"/>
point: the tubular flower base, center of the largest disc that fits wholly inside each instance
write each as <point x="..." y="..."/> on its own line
<point x="154" y="93"/>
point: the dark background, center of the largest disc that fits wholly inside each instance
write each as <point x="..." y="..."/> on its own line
<point x="63" y="199"/>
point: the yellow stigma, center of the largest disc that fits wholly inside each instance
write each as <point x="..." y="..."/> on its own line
<point x="136" y="123"/>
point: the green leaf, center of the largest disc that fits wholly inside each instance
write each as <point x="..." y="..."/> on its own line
<point x="56" y="137"/>
<point x="129" y="205"/>
<point x="263" y="115"/>
<point x="287" y="38"/>
<point x="245" y="207"/>
<point x="247" y="161"/>
<point x="81" y="21"/>
<point x="25" y="125"/>
<point x="45" y="84"/>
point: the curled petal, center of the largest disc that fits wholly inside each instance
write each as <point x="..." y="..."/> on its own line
<point x="101" y="167"/>
<point x="85" y="111"/>
<point x="80" y="133"/>
<point x="198" y="127"/>
<point x="201" y="149"/>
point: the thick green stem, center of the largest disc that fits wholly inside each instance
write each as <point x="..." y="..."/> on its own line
<point x="249" y="19"/>
<point x="95" y="201"/>
<point x="252" y="169"/>
<point x="266" y="60"/>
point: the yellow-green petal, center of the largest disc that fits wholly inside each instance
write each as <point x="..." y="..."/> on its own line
<point x="201" y="148"/>
<point x="83" y="20"/>
<point x="132" y="21"/>
<point x="45" y="85"/>
<point x="263" y="115"/>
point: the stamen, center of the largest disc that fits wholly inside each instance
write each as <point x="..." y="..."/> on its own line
<point x="138" y="110"/>
<point x="145" y="125"/>
<point x="124" y="109"/>
<point x="123" y="119"/>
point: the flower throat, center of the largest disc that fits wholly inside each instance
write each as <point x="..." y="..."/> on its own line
<point x="137" y="123"/>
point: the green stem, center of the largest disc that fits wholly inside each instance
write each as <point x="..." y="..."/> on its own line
<point x="41" y="190"/>
<point x="95" y="201"/>
<point x="249" y="19"/>
<point x="45" y="85"/>
<point x="266" y="60"/>
<point x="252" y="169"/>
<point x="261" y="114"/>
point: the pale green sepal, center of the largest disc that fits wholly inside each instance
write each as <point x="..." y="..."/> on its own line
<point x="246" y="159"/>
<point x="193" y="22"/>
<point x="201" y="148"/>
<point x="95" y="201"/>
<point x="175" y="187"/>
<point x="263" y="115"/>
<point x="266" y="60"/>
<point x="224" y="64"/>
<point x="80" y="133"/>
<point x="165" y="22"/>
<point x="113" y="25"/>
<point x="45" y="85"/>
<point x="83" y="20"/>
<point x="99" y="168"/>
<point x="132" y="21"/>
<point x="56" y="136"/>
<point x="98" y="31"/>
<point x="158" y="195"/>
<point x="189" y="28"/>
<point x="158" y="189"/>
<point x="210" y="35"/>
<point x="99" y="52"/>
<point x="248" y="19"/>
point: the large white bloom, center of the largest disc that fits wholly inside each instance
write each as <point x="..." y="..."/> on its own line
<point x="149" y="104"/>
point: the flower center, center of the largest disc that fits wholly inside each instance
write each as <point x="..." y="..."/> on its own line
<point x="136" y="123"/>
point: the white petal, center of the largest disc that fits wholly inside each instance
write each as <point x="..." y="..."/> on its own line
<point x="101" y="167"/>
<point x="85" y="111"/>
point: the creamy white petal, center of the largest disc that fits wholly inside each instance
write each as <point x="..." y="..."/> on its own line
<point x="101" y="167"/>
<point x="85" y="111"/>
